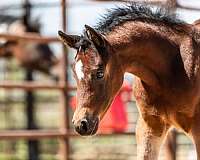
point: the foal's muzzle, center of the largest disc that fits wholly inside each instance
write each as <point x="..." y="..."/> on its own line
<point x="87" y="126"/>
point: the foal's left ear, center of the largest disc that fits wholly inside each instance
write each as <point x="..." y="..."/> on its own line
<point x="98" y="40"/>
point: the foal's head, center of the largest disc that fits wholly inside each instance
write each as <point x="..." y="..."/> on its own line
<point x="98" y="75"/>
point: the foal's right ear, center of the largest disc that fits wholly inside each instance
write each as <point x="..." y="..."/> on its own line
<point x="70" y="40"/>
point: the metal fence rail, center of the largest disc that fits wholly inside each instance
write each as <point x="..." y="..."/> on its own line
<point x="29" y="37"/>
<point x="41" y="134"/>
<point x="35" y="86"/>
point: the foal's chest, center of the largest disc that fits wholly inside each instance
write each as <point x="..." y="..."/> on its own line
<point x="148" y="103"/>
<point x="178" y="112"/>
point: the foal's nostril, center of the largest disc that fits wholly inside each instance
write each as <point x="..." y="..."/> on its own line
<point x="84" y="126"/>
<point x="87" y="127"/>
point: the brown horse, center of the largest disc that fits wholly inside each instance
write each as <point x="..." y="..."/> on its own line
<point x="30" y="55"/>
<point x="164" y="54"/>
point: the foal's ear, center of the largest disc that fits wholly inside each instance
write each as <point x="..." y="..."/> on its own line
<point x="70" y="40"/>
<point x="95" y="37"/>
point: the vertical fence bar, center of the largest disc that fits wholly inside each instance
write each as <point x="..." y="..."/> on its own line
<point x="33" y="147"/>
<point x="64" y="142"/>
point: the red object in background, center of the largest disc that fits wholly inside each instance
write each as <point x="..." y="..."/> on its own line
<point x="115" y="119"/>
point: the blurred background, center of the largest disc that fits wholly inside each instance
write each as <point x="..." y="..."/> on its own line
<point x="45" y="112"/>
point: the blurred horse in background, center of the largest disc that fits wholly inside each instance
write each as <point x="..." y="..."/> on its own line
<point x="162" y="51"/>
<point x="196" y="23"/>
<point x="30" y="55"/>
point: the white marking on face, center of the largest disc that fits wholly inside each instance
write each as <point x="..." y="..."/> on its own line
<point x="79" y="69"/>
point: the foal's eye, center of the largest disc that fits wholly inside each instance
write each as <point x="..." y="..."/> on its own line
<point x="99" y="74"/>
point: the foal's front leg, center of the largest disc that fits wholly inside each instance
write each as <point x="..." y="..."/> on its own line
<point x="149" y="135"/>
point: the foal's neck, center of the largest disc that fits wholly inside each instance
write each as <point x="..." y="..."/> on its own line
<point x="146" y="52"/>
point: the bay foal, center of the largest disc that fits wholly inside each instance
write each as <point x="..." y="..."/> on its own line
<point x="162" y="51"/>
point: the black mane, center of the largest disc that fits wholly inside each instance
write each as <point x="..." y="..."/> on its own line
<point x="137" y="11"/>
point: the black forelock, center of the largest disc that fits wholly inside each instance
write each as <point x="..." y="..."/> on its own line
<point x="84" y="42"/>
<point x="136" y="11"/>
